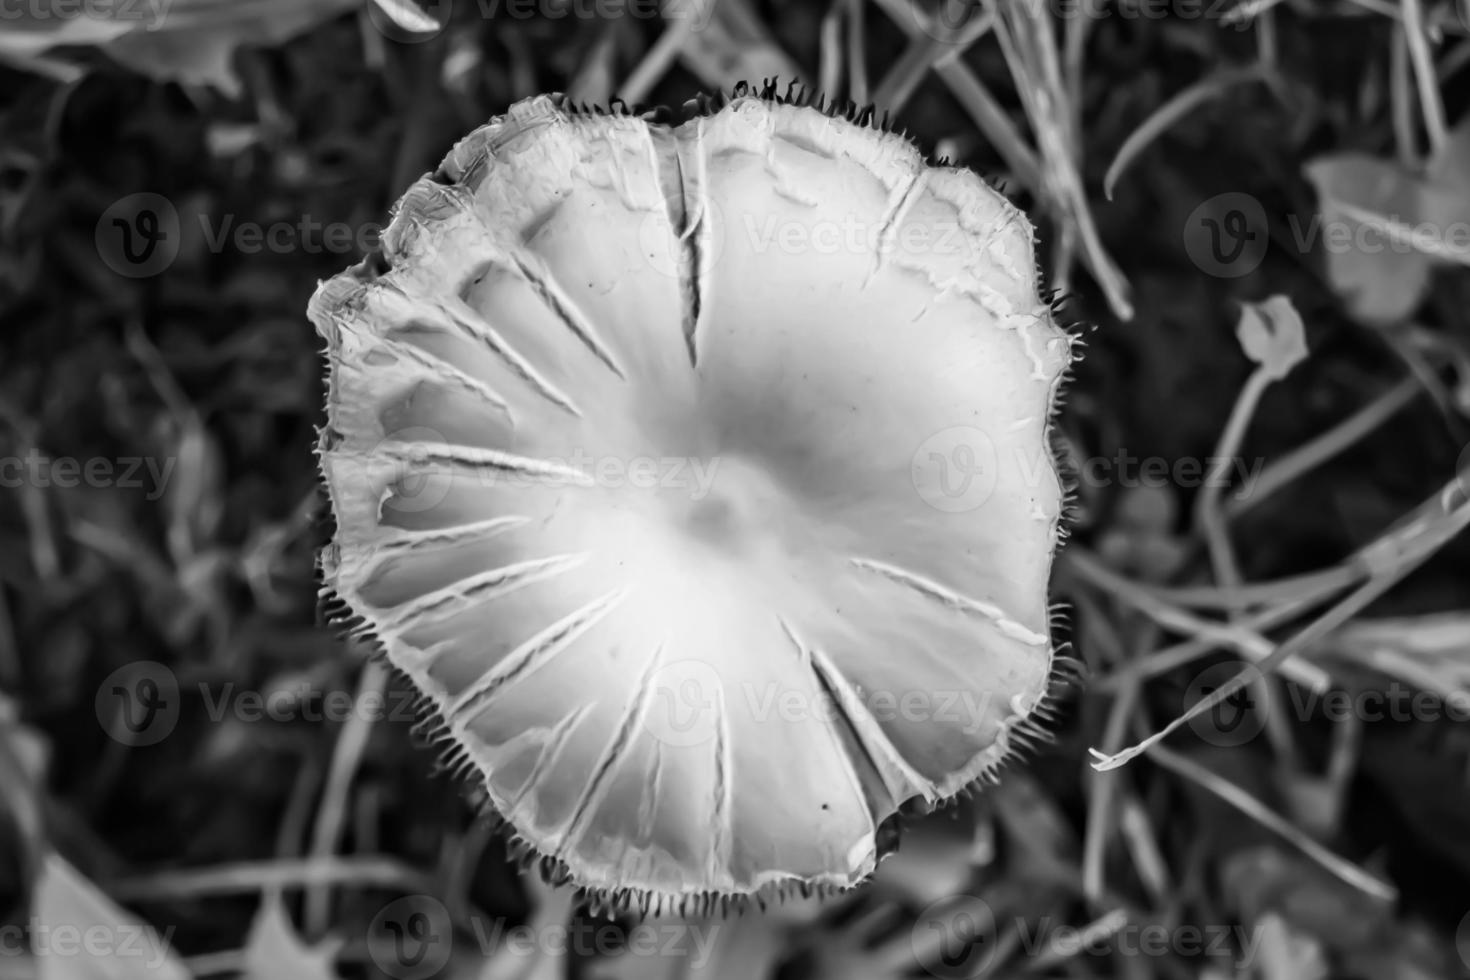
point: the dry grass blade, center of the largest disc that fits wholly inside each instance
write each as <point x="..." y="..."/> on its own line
<point x="1247" y="804"/>
<point x="1170" y="113"/>
<point x="1425" y="536"/>
<point x="1309" y="456"/>
<point x="972" y="94"/>
<point x="857" y="51"/>
<point x="727" y="42"/>
<point x="347" y="755"/>
<point x="1029" y="44"/>
<point x="663" y="53"/>
<point x="928" y="53"/>
<point x="1239" y="637"/>
<point x="1430" y="103"/>
<point x="246" y="877"/>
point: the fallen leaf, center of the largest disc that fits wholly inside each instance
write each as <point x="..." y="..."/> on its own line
<point x="1380" y="279"/>
<point x="78" y="933"/>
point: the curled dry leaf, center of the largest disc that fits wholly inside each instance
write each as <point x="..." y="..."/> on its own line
<point x="698" y="475"/>
<point x="118" y="946"/>
<point x="1384" y="229"/>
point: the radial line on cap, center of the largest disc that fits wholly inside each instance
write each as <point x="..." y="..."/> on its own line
<point x="441" y="368"/>
<point x="934" y="590"/>
<point x="635" y="712"/>
<point x="900" y="200"/>
<point x="407" y="540"/>
<point x="882" y="753"/>
<point x="435" y="606"/>
<point x="692" y="229"/>
<point x="723" y="847"/>
<point x="532" y="655"/>
<point x="561" y="732"/>
<point x="477" y="458"/>
<point x="529" y="266"/>
<point x="470" y="321"/>
<point x="535" y="272"/>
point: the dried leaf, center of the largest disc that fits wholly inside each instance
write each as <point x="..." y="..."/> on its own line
<point x="78" y="933"/>
<point x="1384" y="229"/>
<point x="1362" y="199"/>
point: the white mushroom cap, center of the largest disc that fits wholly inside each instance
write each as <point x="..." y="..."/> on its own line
<point x="699" y="477"/>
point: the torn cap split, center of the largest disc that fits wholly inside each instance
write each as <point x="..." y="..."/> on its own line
<point x="698" y="476"/>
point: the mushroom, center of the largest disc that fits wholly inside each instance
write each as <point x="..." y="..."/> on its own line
<point x="698" y="476"/>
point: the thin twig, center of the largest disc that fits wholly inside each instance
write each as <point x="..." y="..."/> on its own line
<point x="332" y="816"/>
<point x="1390" y="560"/>
<point x="1323" y="447"/>
<point x="1247" y="804"/>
